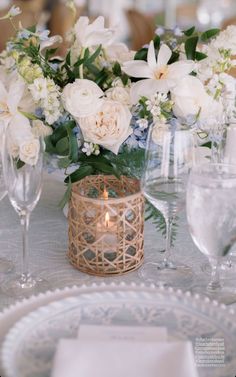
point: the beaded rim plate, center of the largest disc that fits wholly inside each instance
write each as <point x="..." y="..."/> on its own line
<point x="30" y="345"/>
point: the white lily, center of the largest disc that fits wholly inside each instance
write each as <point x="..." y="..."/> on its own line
<point x="10" y="116"/>
<point x="93" y="34"/>
<point x="157" y="74"/>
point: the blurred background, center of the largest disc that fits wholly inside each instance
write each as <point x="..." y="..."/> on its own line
<point x="137" y="19"/>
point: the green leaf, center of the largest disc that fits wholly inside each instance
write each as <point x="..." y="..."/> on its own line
<point x="19" y="164"/>
<point x="64" y="162"/>
<point x="174" y="57"/>
<point x="50" y="53"/>
<point x="209" y="34"/>
<point x="92" y="58"/>
<point x="32" y="29"/>
<point x="61" y="131"/>
<point x="50" y="148"/>
<point x="29" y="115"/>
<point x="82" y="172"/>
<point x="62" y="146"/>
<point x="189" y="32"/>
<point x="207" y="145"/>
<point x="68" y="60"/>
<point x="116" y="69"/>
<point x="101" y="164"/>
<point x="200" y="55"/>
<point x="190" y="47"/>
<point x="66" y="196"/>
<point x="141" y="54"/>
<point x="73" y="145"/>
<point x="157" y="42"/>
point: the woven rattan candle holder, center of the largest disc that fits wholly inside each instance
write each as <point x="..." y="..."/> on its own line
<point x="106" y="224"/>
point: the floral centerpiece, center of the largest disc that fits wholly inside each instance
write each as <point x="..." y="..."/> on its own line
<point x="94" y="106"/>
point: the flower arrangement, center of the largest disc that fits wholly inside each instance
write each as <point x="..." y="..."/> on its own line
<point x="95" y="105"/>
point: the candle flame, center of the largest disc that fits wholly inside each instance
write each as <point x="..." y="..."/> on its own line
<point x="105" y="194"/>
<point x="107" y="220"/>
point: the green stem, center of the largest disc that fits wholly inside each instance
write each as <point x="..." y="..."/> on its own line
<point x="81" y="68"/>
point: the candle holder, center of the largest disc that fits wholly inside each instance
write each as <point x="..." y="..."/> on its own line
<point x="106" y="225"/>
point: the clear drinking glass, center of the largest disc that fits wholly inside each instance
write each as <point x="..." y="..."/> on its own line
<point x="23" y="183"/>
<point x="211" y="212"/>
<point x="5" y="264"/>
<point x="170" y="153"/>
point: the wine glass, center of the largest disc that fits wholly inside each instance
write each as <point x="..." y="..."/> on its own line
<point x="170" y="153"/>
<point x="23" y="183"/>
<point x="5" y="264"/>
<point x="211" y="213"/>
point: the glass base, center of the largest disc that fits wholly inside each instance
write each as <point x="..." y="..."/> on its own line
<point x="224" y="295"/>
<point x="226" y="268"/>
<point x="24" y="286"/>
<point x="167" y="274"/>
<point x="6" y="265"/>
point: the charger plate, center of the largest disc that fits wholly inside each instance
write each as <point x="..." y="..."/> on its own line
<point x="30" y="345"/>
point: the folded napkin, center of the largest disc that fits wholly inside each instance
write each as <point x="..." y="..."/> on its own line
<point x="123" y="358"/>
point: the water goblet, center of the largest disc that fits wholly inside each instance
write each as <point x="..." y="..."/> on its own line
<point x="23" y="183"/>
<point x="211" y="213"/>
<point x="170" y="153"/>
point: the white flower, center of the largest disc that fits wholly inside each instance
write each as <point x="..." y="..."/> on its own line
<point x="119" y="94"/>
<point x="40" y="129"/>
<point x="14" y="11"/>
<point x="191" y="98"/>
<point x="142" y="123"/>
<point x="160" y="77"/>
<point x="47" y="95"/>
<point x="82" y="98"/>
<point x="39" y="89"/>
<point x="119" y="52"/>
<point x="92" y="34"/>
<point x="226" y="40"/>
<point x="29" y="151"/>
<point x="90" y="148"/>
<point x="110" y="127"/>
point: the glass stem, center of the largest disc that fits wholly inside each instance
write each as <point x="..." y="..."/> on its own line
<point x="215" y="283"/>
<point x="217" y="140"/>
<point x="24" y="220"/>
<point x="167" y="254"/>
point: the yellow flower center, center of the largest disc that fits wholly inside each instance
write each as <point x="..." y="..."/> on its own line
<point x="4" y="109"/>
<point x="161" y="73"/>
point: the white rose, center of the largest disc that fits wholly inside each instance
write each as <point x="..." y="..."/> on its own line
<point x="29" y="151"/>
<point x="110" y="127"/>
<point x="40" y="129"/>
<point x="191" y="98"/>
<point x="119" y="94"/>
<point x="82" y="98"/>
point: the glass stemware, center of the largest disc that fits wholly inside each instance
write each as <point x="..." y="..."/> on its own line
<point x="23" y="183"/>
<point x="211" y="213"/>
<point x="170" y="153"/>
<point x="5" y="264"/>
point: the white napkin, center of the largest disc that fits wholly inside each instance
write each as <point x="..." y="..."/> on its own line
<point x="123" y="358"/>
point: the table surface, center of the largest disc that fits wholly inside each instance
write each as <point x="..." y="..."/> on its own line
<point x="48" y="244"/>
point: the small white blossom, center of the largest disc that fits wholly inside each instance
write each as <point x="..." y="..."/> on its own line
<point x="47" y="95"/>
<point x="90" y="148"/>
<point x="142" y="123"/>
<point x="13" y="12"/>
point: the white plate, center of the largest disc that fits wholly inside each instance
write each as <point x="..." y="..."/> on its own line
<point x="30" y="345"/>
